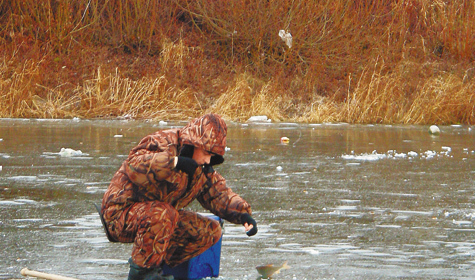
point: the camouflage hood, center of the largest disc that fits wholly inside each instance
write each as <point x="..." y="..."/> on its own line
<point x="207" y="132"/>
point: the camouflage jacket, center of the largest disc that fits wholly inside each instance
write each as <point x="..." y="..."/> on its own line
<point x="149" y="174"/>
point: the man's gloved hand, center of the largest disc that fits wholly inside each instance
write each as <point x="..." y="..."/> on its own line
<point x="187" y="165"/>
<point x="247" y="219"/>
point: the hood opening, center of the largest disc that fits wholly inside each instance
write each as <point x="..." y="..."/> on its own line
<point x="187" y="151"/>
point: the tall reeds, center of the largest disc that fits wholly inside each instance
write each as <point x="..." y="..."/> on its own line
<point x="404" y="61"/>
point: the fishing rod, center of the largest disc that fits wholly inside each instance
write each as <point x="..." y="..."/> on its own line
<point x="26" y="272"/>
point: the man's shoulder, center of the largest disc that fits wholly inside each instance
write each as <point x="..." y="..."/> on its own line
<point x="159" y="140"/>
<point x="169" y="134"/>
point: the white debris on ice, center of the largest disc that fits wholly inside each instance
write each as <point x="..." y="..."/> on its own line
<point x="412" y="154"/>
<point x="448" y="149"/>
<point x="392" y="154"/>
<point x="366" y="157"/>
<point x="68" y="152"/>
<point x="259" y="119"/>
<point x="433" y="129"/>
<point x="429" y="154"/>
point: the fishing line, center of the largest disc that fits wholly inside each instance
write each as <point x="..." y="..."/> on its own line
<point x="300" y="135"/>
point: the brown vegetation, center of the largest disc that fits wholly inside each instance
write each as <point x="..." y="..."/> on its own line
<point x="403" y="61"/>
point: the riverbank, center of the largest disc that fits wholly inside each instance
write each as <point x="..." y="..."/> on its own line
<point x="402" y="62"/>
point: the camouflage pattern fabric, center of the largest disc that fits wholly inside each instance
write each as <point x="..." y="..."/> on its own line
<point x="164" y="234"/>
<point x="145" y="199"/>
<point x="207" y="133"/>
<point x="193" y="235"/>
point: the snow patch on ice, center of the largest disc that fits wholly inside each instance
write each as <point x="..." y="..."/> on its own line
<point x="365" y="157"/>
<point x="393" y="154"/>
<point x="259" y="119"/>
<point x="68" y="152"/>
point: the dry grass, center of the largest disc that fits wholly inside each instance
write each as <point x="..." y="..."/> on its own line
<point x="16" y="82"/>
<point x="244" y="99"/>
<point x="442" y="99"/>
<point x="405" y="61"/>
<point x="114" y="95"/>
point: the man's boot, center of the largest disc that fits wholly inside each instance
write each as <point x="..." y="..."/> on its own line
<point x="142" y="273"/>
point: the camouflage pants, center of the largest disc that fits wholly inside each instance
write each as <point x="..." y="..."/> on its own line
<point x="162" y="233"/>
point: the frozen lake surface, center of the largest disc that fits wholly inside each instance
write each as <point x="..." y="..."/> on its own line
<point x="337" y="202"/>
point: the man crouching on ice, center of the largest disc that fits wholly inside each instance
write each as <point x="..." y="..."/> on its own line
<point x="162" y="175"/>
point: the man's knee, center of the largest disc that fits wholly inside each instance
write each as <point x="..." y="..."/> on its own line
<point x="160" y="215"/>
<point x="216" y="230"/>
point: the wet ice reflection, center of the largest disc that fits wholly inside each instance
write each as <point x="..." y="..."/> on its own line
<point x="336" y="202"/>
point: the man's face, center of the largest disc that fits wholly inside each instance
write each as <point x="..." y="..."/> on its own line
<point x="201" y="156"/>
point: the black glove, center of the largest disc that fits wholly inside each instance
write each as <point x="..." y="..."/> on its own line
<point x="246" y="218"/>
<point x="187" y="165"/>
<point x="208" y="169"/>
